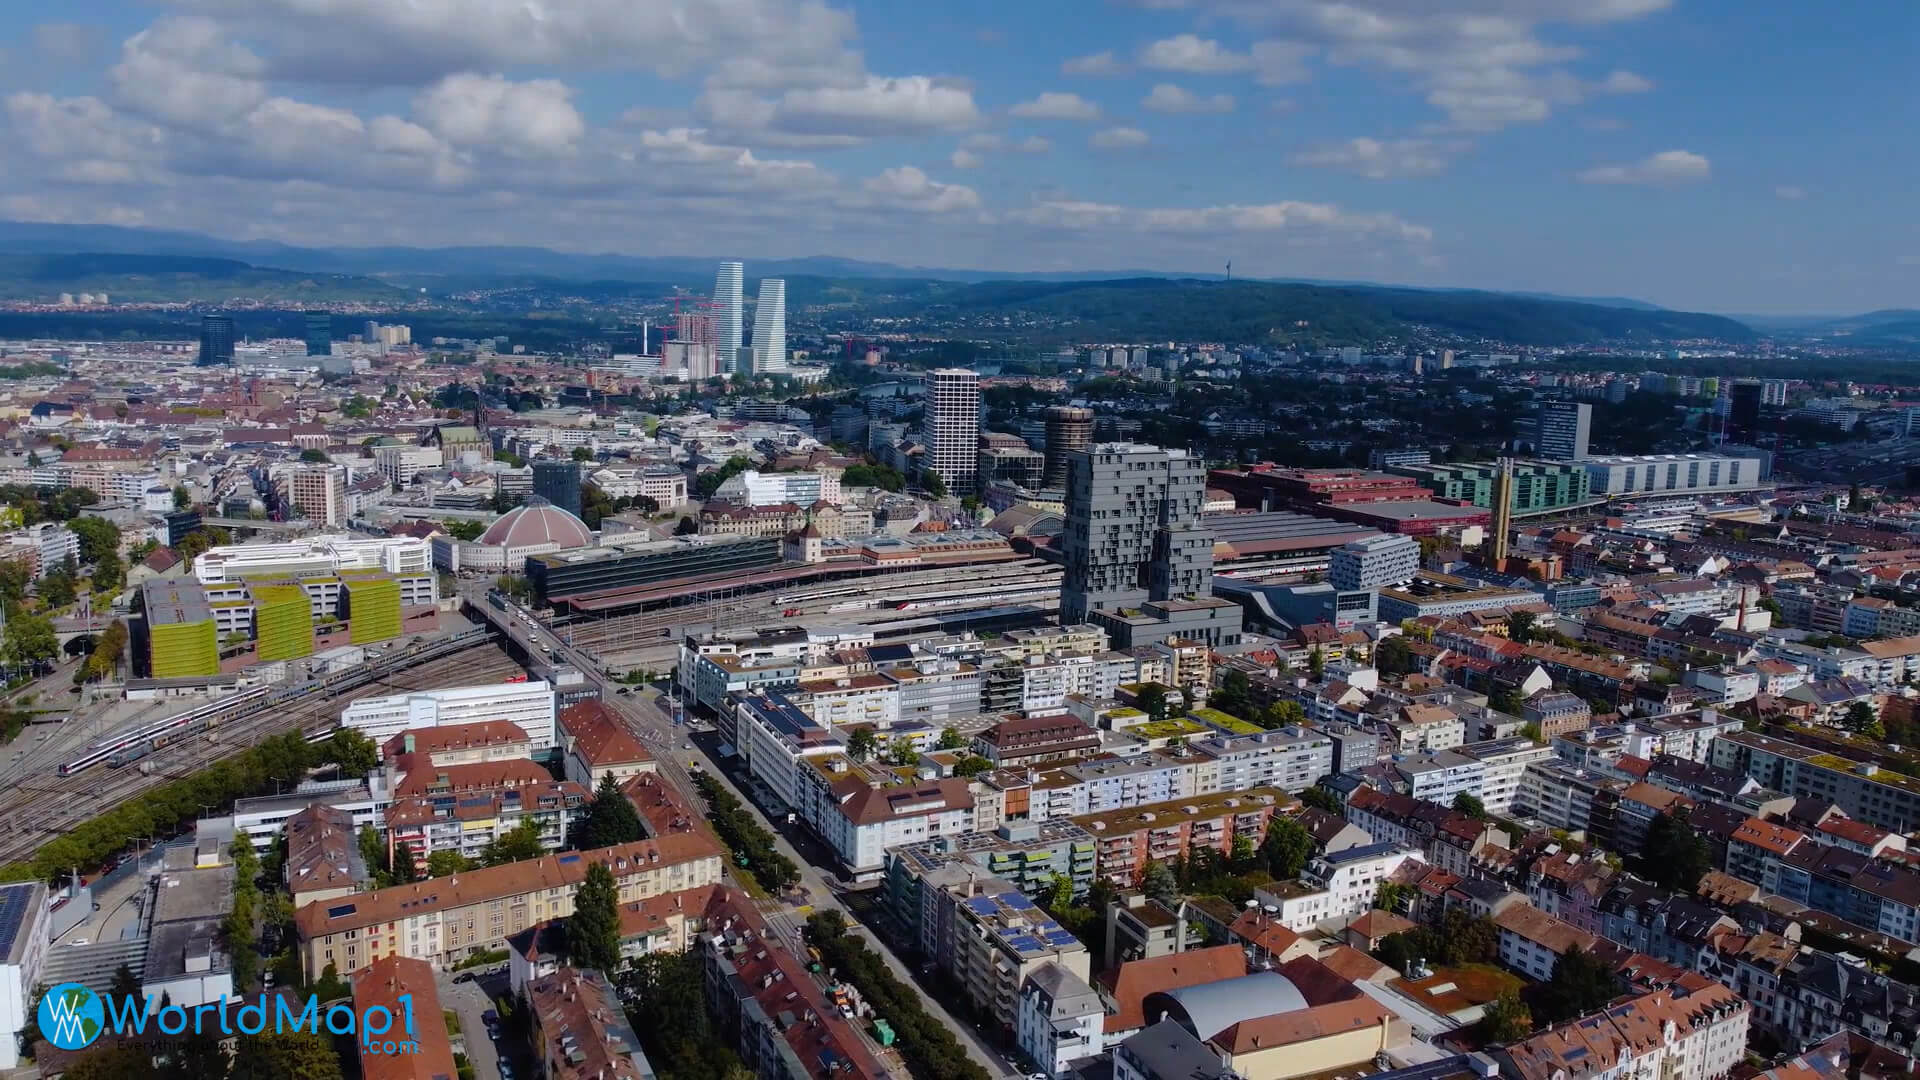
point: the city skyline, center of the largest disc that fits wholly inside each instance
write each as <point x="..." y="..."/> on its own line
<point x="1619" y="148"/>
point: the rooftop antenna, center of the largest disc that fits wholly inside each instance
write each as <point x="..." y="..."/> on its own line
<point x="1229" y="269"/>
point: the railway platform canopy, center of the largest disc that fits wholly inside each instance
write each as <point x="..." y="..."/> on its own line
<point x="621" y="601"/>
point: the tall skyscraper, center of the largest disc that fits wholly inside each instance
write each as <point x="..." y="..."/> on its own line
<point x="319" y="333"/>
<point x="729" y="302"/>
<point x="1562" y="429"/>
<point x="1744" y="410"/>
<point x="1069" y="428"/>
<point x="1133" y="528"/>
<point x="558" y="482"/>
<point x="770" y="327"/>
<point x="950" y="427"/>
<point x="216" y="339"/>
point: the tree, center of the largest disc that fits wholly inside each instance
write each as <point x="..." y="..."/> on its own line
<point x="1859" y="717"/>
<point x="581" y="453"/>
<point x="971" y="765"/>
<point x="1059" y="893"/>
<point x="1322" y="799"/>
<point x="276" y="1055"/>
<point x="1287" y="847"/>
<point x="1520" y="627"/>
<point x="1507" y="1019"/>
<point x="125" y="985"/>
<point x="97" y="537"/>
<point x="1234" y="695"/>
<point x="1393" y="656"/>
<point x="862" y="744"/>
<point x="610" y="819"/>
<point x="312" y="455"/>
<point x="105" y="656"/>
<point x="1281" y="714"/>
<point x="182" y="498"/>
<point x="951" y="739"/>
<point x="354" y="752"/>
<point x="593" y="930"/>
<point x="1316" y="664"/>
<point x="1675" y="856"/>
<point x="464" y="530"/>
<point x="30" y="638"/>
<point x="1581" y="983"/>
<point x="373" y="850"/>
<point x="934" y="485"/>
<point x="687" y="526"/>
<point x="404" y="869"/>
<point x="518" y="844"/>
<point x="1469" y="804"/>
<point x="111" y="1063"/>
<point x="330" y="986"/>
<point x="109" y="574"/>
<point x="1152" y="700"/>
<point x="900" y="752"/>
<point x="446" y="861"/>
<point x="1158" y="882"/>
<point x="14" y="578"/>
<point x="1505" y="700"/>
<point x="57" y="589"/>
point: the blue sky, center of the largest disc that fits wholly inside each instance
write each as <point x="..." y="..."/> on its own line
<point x="1749" y="157"/>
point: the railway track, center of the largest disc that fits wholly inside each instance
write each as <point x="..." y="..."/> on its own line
<point x="43" y="806"/>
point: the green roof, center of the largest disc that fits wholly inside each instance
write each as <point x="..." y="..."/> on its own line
<point x="1171" y="728"/>
<point x="1226" y="722"/>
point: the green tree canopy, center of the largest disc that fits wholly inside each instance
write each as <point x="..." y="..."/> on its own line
<point x="593" y="930"/>
<point x="610" y="819"/>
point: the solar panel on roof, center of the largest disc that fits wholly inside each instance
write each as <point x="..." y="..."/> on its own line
<point x="339" y="911"/>
<point x="1020" y="901"/>
<point x="980" y="905"/>
<point x="572" y="857"/>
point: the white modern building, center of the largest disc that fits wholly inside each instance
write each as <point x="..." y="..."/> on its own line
<point x="528" y="705"/>
<point x="1440" y="776"/>
<point x="23" y="950"/>
<point x="1503" y="763"/>
<point x="400" y="464"/>
<point x="951" y="427"/>
<point x="770" y="328"/>
<point x="664" y="484"/>
<point x="1292" y="759"/>
<point x="800" y="488"/>
<point x="328" y="553"/>
<point x="1671" y="474"/>
<point x="729" y="299"/>
<point x="1060" y="1019"/>
<point x="1337" y="885"/>
<point x="1561" y="430"/>
<point x="1374" y="562"/>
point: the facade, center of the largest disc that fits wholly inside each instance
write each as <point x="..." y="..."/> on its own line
<point x="315" y="556"/>
<point x="558" y="577"/>
<point x="318" y="492"/>
<point x="950" y="428"/>
<point x="319" y="326"/>
<point x="580" y="1029"/>
<point x="1692" y="1029"/>
<point x="466" y="821"/>
<point x="23" y="951"/>
<point x="181" y="639"/>
<point x="1671" y="474"/>
<point x="1377" y="561"/>
<point x="216" y="339"/>
<point x="1337" y="884"/>
<point x="770" y="328"/>
<point x="558" y="482"/>
<point x="1069" y="429"/>
<point x="1060" y="1021"/>
<point x="729" y="296"/>
<point x="1537" y="485"/>
<point x="1561" y="430"/>
<point x="1127" y="840"/>
<point x="1133" y="529"/>
<point x="444" y="920"/>
<point x="528" y="705"/>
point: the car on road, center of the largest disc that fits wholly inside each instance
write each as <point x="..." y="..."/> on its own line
<point x="490" y="1018"/>
<point x="506" y="1070"/>
<point x="465" y="976"/>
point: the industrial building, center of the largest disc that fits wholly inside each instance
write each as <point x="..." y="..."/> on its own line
<point x="561" y="576"/>
<point x="1538" y="486"/>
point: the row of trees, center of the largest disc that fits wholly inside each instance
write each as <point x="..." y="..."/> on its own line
<point x="752" y="846"/>
<point x="930" y="1050"/>
<point x="160" y="812"/>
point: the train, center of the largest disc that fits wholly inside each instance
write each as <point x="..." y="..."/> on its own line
<point x="963" y="600"/>
<point x="131" y="746"/>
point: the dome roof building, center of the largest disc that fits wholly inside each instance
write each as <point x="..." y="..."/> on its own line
<point x="536" y="527"/>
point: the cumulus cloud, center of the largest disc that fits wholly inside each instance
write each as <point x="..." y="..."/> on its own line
<point x="990" y="142"/>
<point x="911" y="105"/>
<point x="964" y="158"/>
<point x="185" y="72"/>
<point x="1054" y="105"/>
<point x="1194" y="55"/>
<point x="1119" y="138"/>
<point x="1168" y="98"/>
<point x="1665" y="168"/>
<point x="1268" y="217"/>
<point x="1485" y="64"/>
<point x="535" y="117"/>
<point x="908" y="188"/>
<point x="1381" y="159"/>
<point x="1100" y="63"/>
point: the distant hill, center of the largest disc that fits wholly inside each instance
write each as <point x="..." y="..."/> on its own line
<point x="493" y="267"/>
<point x="172" y="278"/>
<point x="1157" y="308"/>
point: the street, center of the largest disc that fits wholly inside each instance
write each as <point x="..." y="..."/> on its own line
<point x="673" y="748"/>
<point x="468" y="1000"/>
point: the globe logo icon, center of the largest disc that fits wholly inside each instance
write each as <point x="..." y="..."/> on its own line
<point x="71" y="1016"/>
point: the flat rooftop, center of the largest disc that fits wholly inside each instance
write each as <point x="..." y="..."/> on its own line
<point x="175" y="603"/>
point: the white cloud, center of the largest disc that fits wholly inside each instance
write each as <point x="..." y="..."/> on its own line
<point x="1789" y="191"/>
<point x="909" y="188"/>
<point x="966" y="159"/>
<point x="988" y="142"/>
<point x="528" y="118"/>
<point x="1270" y="217"/>
<point x="1664" y="168"/>
<point x="911" y="105"/>
<point x="392" y="135"/>
<point x="1194" y="55"/>
<point x="1054" y="105"/>
<point x="1119" y="138"/>
<point x="1485" y="64"/>
<point x="1168" y="98"/>
<point x="1382" y="159"/>
<point x="65" y="41"/>
<point x="183" y="71"/>
<point x="1100" y="63"/>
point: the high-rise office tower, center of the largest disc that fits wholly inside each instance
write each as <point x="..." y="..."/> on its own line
<point x="1133" y="528"/>
<point x="950" y="427"/>
<point x="318" y="493"/>
<point x="558" y="482"/>
<point x="770" y="327"/>
<point x="319" y="333"/>
<point x="216" y="339"/>
<point x="1744" y="410"/>
<point x="1069" y="428"/>
<point x="1562" y="429"/>
<point x="729" y="302"/>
